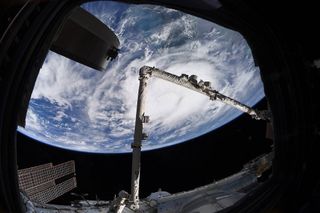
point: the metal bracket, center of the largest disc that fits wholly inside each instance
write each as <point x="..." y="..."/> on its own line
<point x="145" y="119"/>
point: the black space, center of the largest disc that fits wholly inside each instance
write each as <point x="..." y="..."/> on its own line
<point x="177" y="168"/>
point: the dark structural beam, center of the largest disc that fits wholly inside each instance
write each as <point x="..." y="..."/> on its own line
<point x="85" y="39"/>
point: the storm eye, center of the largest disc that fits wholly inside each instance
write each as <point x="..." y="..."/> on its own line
<point x="76" y="107"/>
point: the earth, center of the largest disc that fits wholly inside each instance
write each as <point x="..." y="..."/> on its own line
<point x="78" y="108"/>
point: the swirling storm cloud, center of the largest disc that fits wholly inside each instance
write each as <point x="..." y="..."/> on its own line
<point x="78" y="108"/>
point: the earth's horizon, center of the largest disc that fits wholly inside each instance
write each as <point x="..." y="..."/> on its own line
<point x="78" y="108"/>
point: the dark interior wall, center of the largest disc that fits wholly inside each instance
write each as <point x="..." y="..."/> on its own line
<point x="177" y="168"/>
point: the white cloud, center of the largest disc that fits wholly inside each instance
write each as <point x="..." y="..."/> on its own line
<point x="97" y="109"/>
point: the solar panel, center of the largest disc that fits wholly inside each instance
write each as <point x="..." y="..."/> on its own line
<point x="40" y="182"/>
<point x="55" y="191"/>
